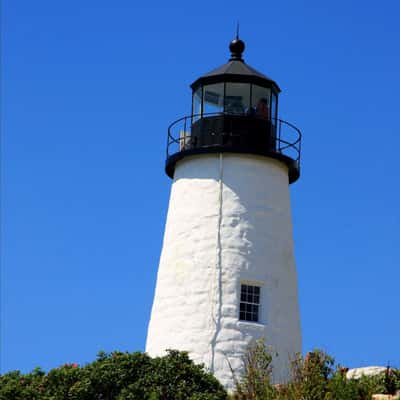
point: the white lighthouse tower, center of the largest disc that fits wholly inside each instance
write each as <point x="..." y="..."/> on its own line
<point x="227" y="273"/>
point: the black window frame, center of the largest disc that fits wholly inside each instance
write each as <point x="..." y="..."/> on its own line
<point x="249" y="305"/>
<point x="251" y="87"/>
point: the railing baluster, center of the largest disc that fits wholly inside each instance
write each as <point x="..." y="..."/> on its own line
<point x="184" y="134"/>
<point x="168" y="143"/>
<point x="280" y="135"/>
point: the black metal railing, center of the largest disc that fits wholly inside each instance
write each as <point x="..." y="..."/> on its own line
<point x="283" y="137"/>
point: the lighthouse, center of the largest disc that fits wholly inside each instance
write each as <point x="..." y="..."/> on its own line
<point x="227" y="272"/>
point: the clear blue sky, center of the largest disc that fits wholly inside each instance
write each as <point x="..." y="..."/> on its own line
<point x="89" y="88"/>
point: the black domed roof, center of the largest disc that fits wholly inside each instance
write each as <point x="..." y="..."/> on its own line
<point x="235" y="70"/>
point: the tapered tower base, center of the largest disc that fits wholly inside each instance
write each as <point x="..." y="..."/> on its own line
<point x="228" y="225"/>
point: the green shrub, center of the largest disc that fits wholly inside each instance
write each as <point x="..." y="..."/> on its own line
<point x="136" y="376"/>
<point x="117" y="376"/>
<point x="310" y="376"/>
<point x="314" y="377"/>
<point x="17" y="386"/>
<point x="340" y="388"/>
<point x="255" y="383"/>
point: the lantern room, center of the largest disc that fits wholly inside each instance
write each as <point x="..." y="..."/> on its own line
<point x="235" y="89"/>
<point x="235" y="109"/>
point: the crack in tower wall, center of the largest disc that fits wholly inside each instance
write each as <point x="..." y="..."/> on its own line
<point x="217" y="318"/>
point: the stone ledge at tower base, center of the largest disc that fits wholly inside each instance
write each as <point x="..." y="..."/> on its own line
<point x="357" y="373"/>
<point x="386" y="396"/>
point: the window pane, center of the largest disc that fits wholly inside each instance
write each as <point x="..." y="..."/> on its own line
<point x="249" y="303"/>
<point x="213" y="98"/>
<point x="273" y="109"/>
<point x="260" y="101"/>
<point x="237" y="98"/>
<point x="197" y="104"/>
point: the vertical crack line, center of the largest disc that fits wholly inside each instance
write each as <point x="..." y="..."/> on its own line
<point x="217" y="318"/>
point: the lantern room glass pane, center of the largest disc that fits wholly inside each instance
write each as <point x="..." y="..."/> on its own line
<point x="237" y="98"/>
<point x="261" y="102"/>
<point x="274" y="110"/>
<point x="197" y="107"/>
<point x="213" y="96"/>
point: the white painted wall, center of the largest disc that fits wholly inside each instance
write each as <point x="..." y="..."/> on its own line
<point x="228" y="222"/>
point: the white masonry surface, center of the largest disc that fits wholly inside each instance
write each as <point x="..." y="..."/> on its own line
<point x="228" y="223"/>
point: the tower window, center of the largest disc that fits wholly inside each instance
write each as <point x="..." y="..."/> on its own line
<point x="249" y="303"/>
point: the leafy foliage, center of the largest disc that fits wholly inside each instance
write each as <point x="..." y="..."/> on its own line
<point x="311" y="375"/>
<point x="256" y="380"/>
<point x="314" y="377"/>
<point x="134" y="376"/>
<point x="116" y="376"/>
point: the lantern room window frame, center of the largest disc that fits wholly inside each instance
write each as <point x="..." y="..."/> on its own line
<point x="273" y="93"/>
